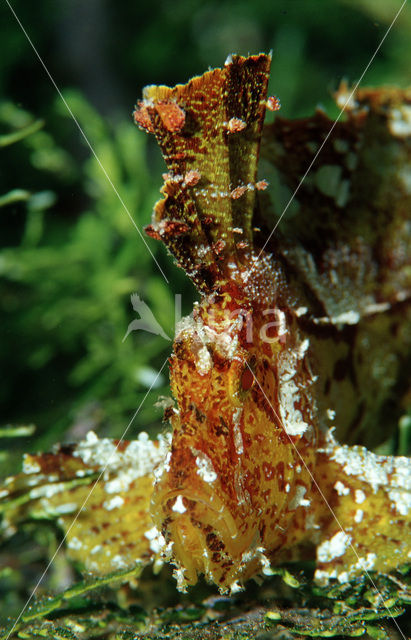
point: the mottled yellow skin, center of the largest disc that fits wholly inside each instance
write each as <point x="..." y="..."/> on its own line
<point x="268" y="493"/>
<point x="250" y="479"/>
<point x="240" y="505"/>
<point x="99" y="493"/>
<point x="288" y="363"/>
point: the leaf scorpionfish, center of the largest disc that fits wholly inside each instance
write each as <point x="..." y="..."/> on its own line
<point x="284" y="375"/>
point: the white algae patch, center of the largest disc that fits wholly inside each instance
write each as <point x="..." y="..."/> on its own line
<point x="333" y="548"/>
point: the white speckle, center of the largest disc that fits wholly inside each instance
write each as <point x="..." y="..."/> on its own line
<point x="331" y="414"/>
<point x="75" y="544"/>
<point x="228" y="343"/>
<point x="345" y="99"/>
<point x="298" y="499"/>
<point x="292" y="418"/>
<point x="96" y="549"/>
<point x="204" y="361"/>
<point x="282" y="324"/>
<point x="122" y="465"/>
<point x="157" y="541"/>
<point x="302" y="348"/>
<point x="81" y="473"/>
<point x="69" y="507"/>
<point x="322" y="577"/>
<point x="378" y="307"/>
<point x="30" y="482"/>
<point x="333" y="548"/>
<point x="358" y="516"/>
<point x="401" y="500"/>
<point x="365" y="564"/>
<point x="178" y="506"/>
<point x="289" y="394"/>
<point x="47" y="491"/>
<point x="4" y="493"/>
<point x="341" y="489"/>
<point x="151" y="533"/>
<point x="164" y="467"/>
<point x="300" y="311"/>
<point x="287" y="487"/>
<point x="349" y="317"/>
<point x="116" y="485"/>
<point x="235" y="587"/>
<point x="118" y="562"/>
<point x="378" y="473"/>
<point x="386" y="472"/>
<point x="342" y="577"/>
<point x="114" y="503"/>
<point x="205" y="468"/>
<point x="400" y="121"/>
<point x="237" y="436"/>
<point x="178" y="574"/>
<point x="91" y="438"/>
<point x="359" y="496"/>
<point x="29" y="466"/>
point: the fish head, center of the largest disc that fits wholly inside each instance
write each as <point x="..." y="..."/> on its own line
<point x="220" y="498"/>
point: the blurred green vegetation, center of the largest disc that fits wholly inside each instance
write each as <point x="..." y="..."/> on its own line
<point x="70" y="256"/>
<point x="65" y="287"/>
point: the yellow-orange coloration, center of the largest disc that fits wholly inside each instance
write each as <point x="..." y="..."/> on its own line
<point x="192" y="178"/>
<point x="238" y="192"/>
<point x="235" y="125"/>
<point x="251" y="478"/>
<point x="261" y="185"/>
<point x="273" y="103"/>
<point x="172" y="116"/>
<point x="287" y="364"/>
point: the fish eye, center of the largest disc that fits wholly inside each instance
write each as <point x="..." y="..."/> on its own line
<point x="247" y="379"/>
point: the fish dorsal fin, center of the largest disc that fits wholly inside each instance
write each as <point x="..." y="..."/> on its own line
<point x="209" y="132"/>
<point x="346" y="229"/>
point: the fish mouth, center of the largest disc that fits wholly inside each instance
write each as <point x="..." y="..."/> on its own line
<point x="206" y="538"/>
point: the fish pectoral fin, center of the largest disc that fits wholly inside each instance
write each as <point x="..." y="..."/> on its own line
<point x="368" y="525"/>
<point x="98" y="492"/>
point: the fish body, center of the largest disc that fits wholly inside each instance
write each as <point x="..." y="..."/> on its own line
<point x="288" y="349"/>
<point x="287" y="368"/>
